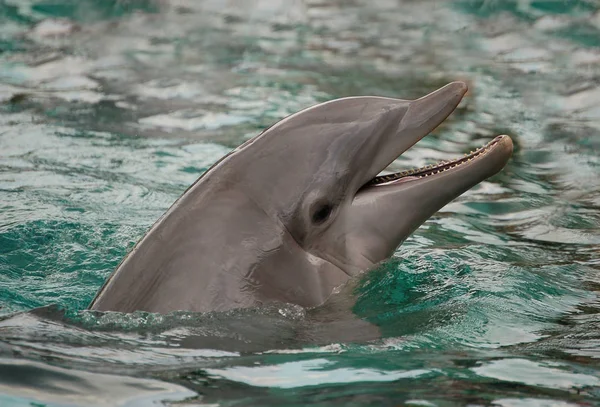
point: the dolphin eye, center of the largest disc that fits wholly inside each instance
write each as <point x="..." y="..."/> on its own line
<point x="322" y="213"/>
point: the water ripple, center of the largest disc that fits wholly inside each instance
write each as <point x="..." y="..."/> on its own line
<point x="109" y="110"/>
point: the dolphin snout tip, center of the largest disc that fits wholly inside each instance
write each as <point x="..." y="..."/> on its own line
<point x="460" y="88"/>
<point x="431" y="110"/>
<point x="450" y="94"/>
<point x="453" y="93"/>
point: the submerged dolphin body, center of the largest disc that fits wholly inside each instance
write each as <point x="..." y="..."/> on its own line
<point x="298" y="210"/>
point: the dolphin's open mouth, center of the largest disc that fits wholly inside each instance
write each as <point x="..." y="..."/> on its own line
<point x="431" y="170"/>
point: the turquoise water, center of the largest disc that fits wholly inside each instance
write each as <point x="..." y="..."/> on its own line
<point x="110" y="109"/>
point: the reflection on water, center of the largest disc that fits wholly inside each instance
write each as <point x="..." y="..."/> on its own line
<point x="109" y="110"/>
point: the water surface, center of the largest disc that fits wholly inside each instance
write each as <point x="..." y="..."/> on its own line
<point x="110" y="109"/>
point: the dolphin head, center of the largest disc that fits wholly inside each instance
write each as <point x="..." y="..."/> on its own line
<point x="299" y="209"/>
<point x="316" y="172"/>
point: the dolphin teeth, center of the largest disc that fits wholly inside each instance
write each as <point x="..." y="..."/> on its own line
<point x="433" y="169"/>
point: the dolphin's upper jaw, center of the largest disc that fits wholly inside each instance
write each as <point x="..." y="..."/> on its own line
<point x="416" y="119"/>
<point x="409" y="198"/>
<point x="422" y="117"/>
<point x="443" y="166"/>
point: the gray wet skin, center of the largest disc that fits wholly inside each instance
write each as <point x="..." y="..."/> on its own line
<point x="298" y="210"/>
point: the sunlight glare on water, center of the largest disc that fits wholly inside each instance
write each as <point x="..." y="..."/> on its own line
<point x="109" y="110"/>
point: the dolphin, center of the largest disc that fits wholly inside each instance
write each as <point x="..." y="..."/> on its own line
<point x="298" y="210"/>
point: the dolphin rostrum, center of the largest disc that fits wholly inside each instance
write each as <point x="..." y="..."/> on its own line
<point x="299" y="209"/>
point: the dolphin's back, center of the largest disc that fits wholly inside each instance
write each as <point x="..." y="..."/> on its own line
<point x="189" y="247"/>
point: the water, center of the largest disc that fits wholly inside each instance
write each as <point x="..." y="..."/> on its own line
<point x="110" y="109"/>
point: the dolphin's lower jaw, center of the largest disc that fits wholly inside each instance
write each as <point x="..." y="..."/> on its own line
<point x="497" y="150"/>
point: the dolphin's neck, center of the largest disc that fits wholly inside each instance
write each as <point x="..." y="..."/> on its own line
<point x="219" y="241"/>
